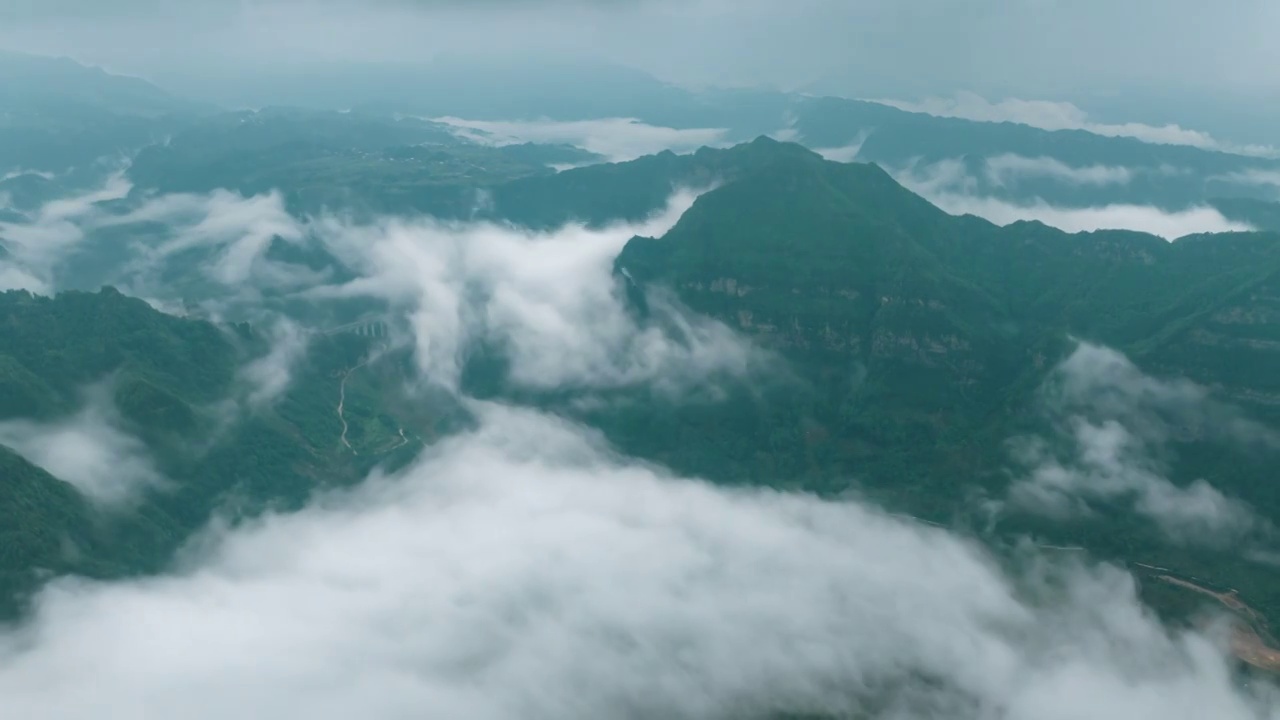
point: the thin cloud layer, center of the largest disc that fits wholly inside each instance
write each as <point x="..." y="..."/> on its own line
<point x="847" y="153"/>
<point x="616" y="139"/>
<point x="91" y="450"/>
<point x="1115" y="425"/>
<point x="268" y="377"/>
<point x="1008" y="169"/>
<point x="524" y="571"/>
<point x="949" y="185"/>
<point x="1253" y="178"/>
<point x="239" y="228"/>
<point x="35" y="246"/>
<point x="19" y="172"/>
<point x="1049" y="115"/>
<point x="1111" y="464"/>
<point x="236" y="229"/>
<point x="1168" y="225"/>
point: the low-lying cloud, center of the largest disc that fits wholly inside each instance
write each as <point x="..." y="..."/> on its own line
<point x="1109" y="463"/>
<point x="1115" y="426"/>
<point x="19" y="172"/>
<point x="950" y="186"/>
<point x="1142" y="218"/>
<point x="1050" y="115"/>
<point x="616" y="139"/>
<point x="268" y="377"/>
<point x="847" y="153"/>
<point x="549" y="300"/>
<point x="524" y="571"/>
<point x="151" y="246"/>
<point x="92" y="450"/>
<point x="35" y="246"/>
<point x="240" y="229"/>
<point x="1253" y="178"/>
<point x="1008" y="169"/>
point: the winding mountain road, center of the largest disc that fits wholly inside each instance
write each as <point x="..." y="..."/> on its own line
<point x="342" y="400"/>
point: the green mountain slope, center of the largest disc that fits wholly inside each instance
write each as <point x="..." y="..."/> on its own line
<point x="175" y="386"/>
<point x="1134" y="171"/>
<point x="351" y="160"/>
<point x="915" y="344"/>
<point x="920" y="341"/>
<point x="819" y="257"/>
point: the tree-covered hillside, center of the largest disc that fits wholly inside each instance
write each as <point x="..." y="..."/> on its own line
<point x="912" y="347"/>
<point x="175" y="399"/>
<point x="341" y="161"/>
<point x="923" y="340"/>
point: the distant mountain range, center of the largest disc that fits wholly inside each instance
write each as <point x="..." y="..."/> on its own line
<point x="56" y="114"/>
<point x="59" y="114"/>
<point x="34" y="84"/>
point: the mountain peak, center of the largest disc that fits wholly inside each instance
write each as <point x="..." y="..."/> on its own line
<point x="763" y="149"/>
<point x="35" y="81"/>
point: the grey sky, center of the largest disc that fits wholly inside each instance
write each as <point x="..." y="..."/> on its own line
<point x="1041" y="47"/>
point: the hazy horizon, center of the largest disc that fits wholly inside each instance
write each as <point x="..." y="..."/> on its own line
<point x="1121" y="65"/>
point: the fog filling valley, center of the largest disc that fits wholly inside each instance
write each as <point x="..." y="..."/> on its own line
<point x="665" y="409"/>
<point x="525" y="569"/>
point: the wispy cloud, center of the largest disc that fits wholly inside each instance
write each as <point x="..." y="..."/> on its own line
<point x="847" y="153"/>
<point x="1049" y="115"/>
<point x="1254" y="177"/>
<point x="788" y="132"/>
<point x="548" y="299"/>
<point x="1009" y="169"/>
<point x="950" y="186"/>
<point x="1115" y="425"/>
<point x="617" y="139"/>
<point x="92" y="450"/>
<point x="1108" y="463"/>
<point x="19" y="172"/>
<point x="1143" y="218"/>
<point x="134" y="245"/>
<point x="240" y="229"/>
<point x="13" y="277"/>
<point x="267" y="377"/>
<point x="35" y="246"/>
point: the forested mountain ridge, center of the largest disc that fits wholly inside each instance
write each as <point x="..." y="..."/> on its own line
<point x="914" y="345"/>
<point x="925" y="339"/>
<point x="184" y="430"/>
<point x="62" y="114"/>
<point x="838" y="264"/>
<point x="741" y="360"/>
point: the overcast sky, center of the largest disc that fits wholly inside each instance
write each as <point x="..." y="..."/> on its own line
<point x="906" y="47"/>
<point x="1206" y="66"/>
